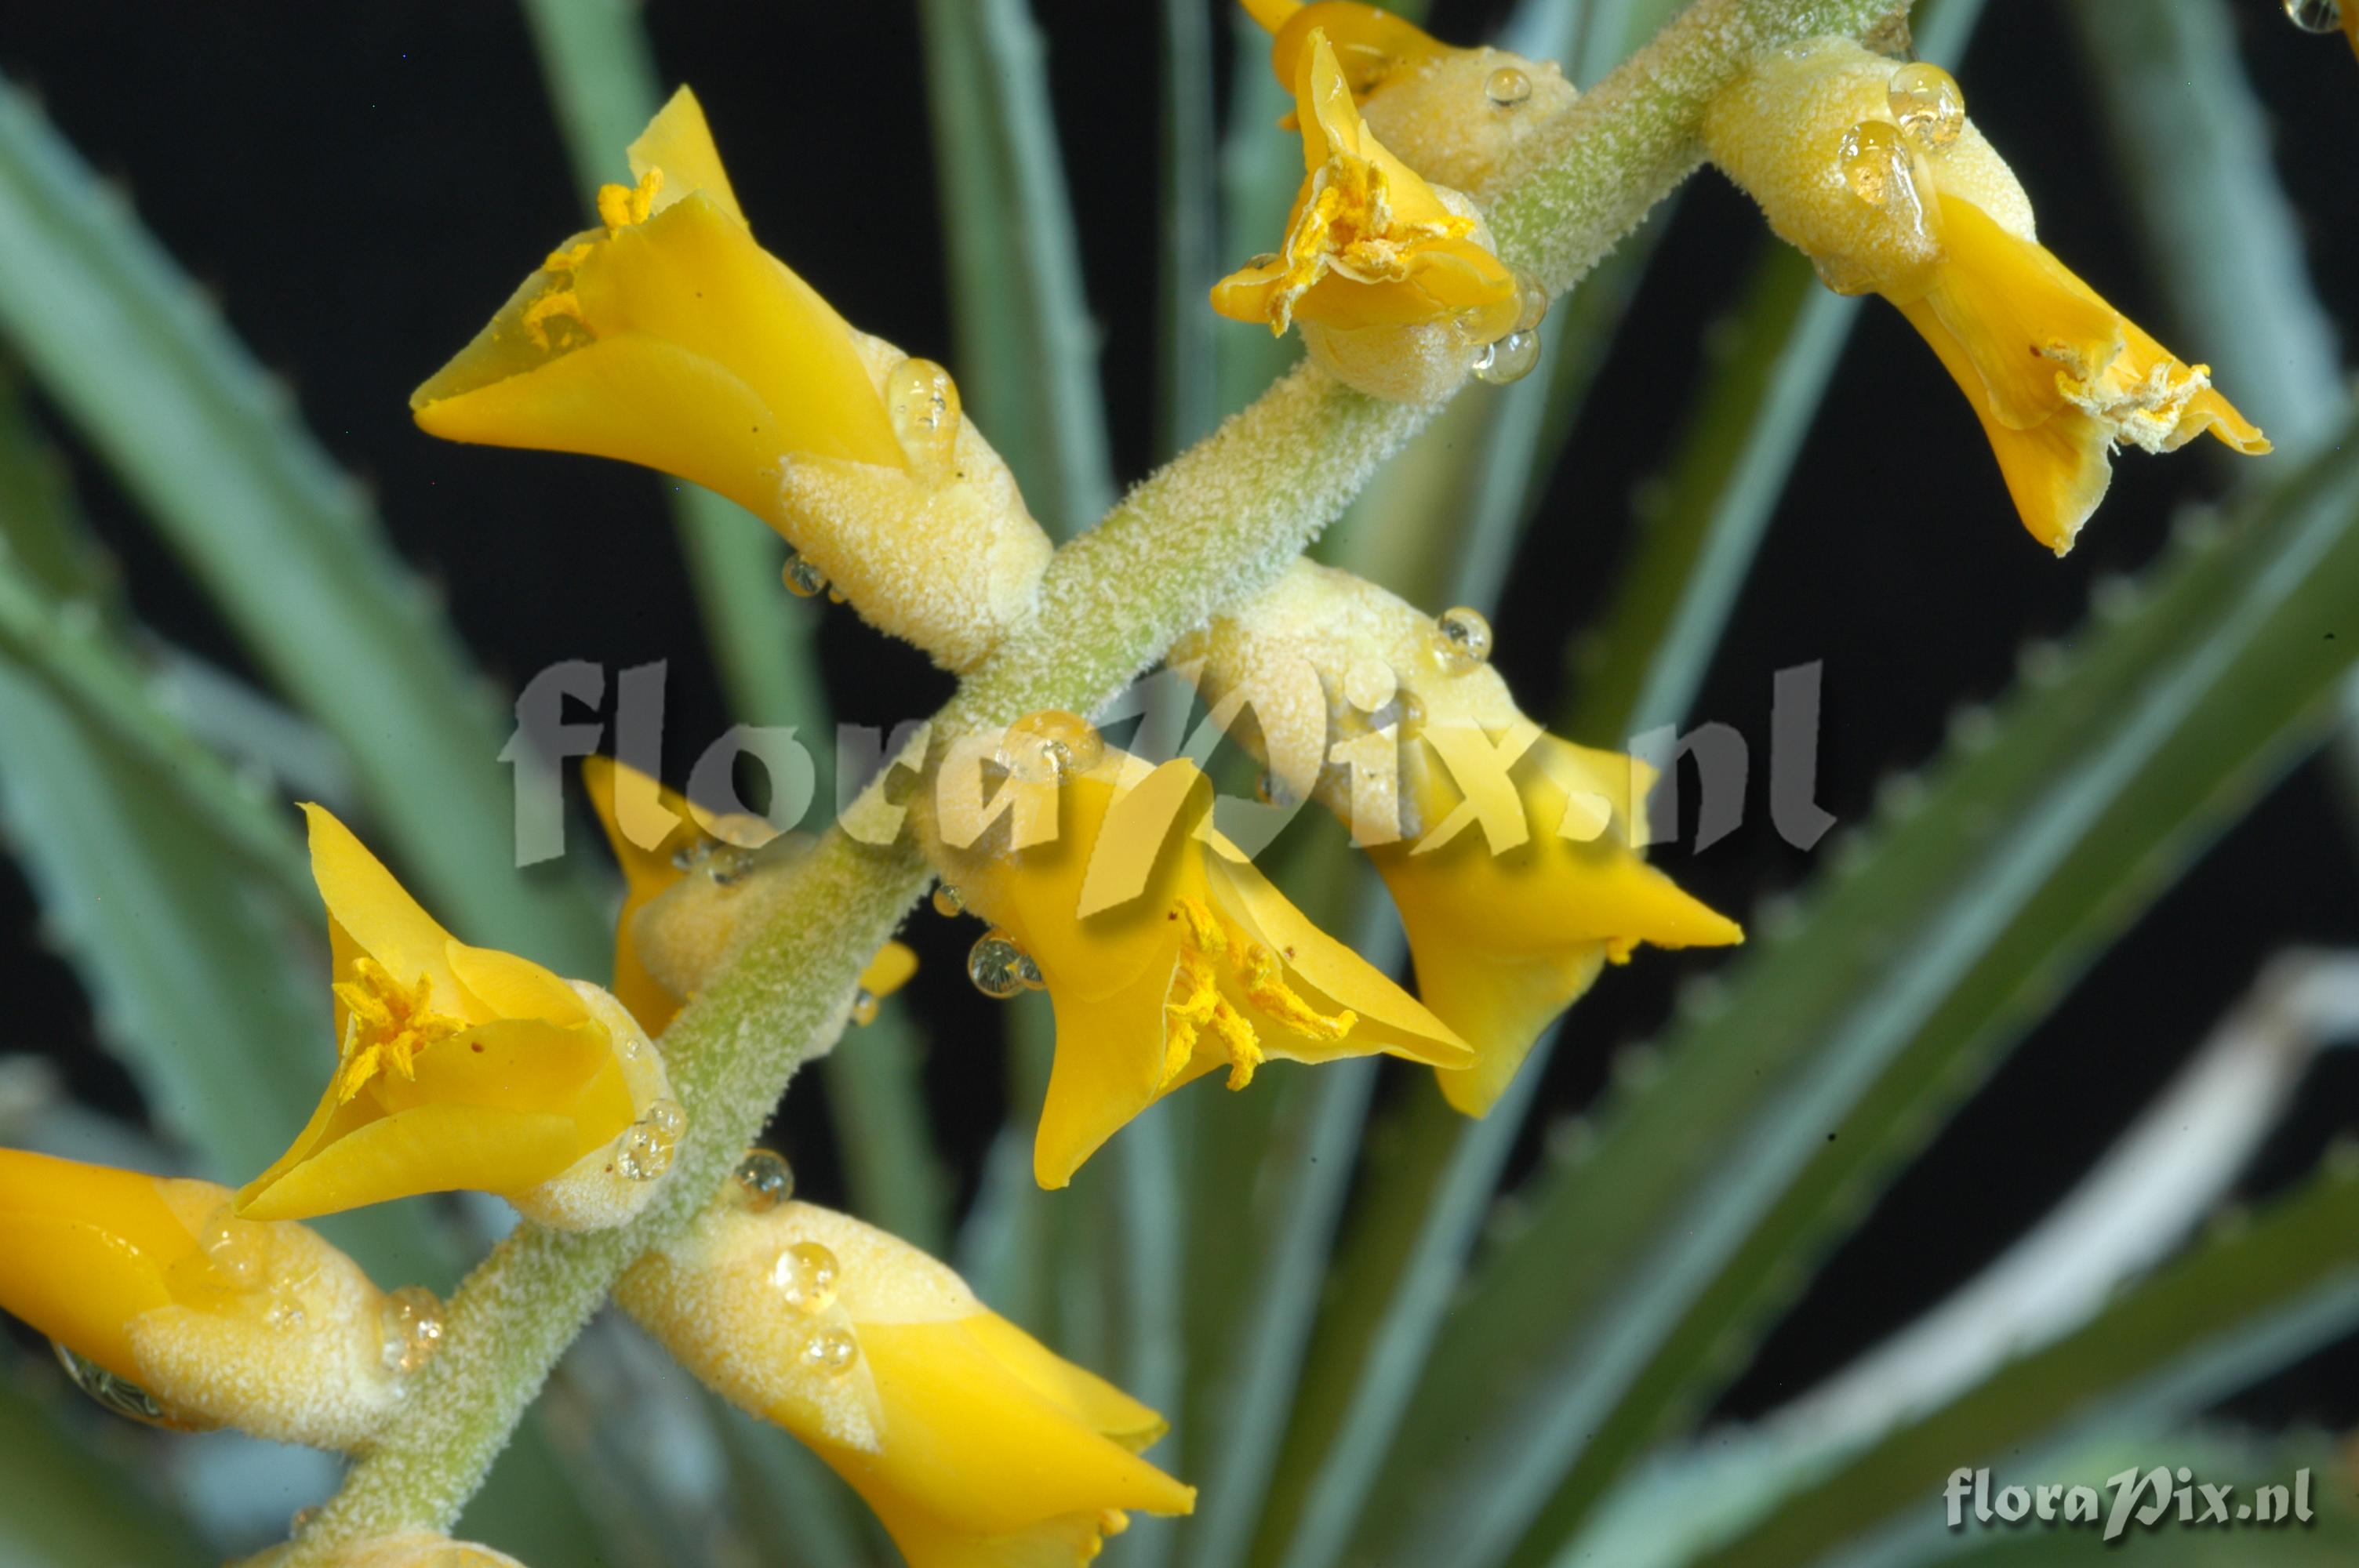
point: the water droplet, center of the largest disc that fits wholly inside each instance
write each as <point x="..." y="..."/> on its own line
<point x="924" y="404"/>
<point x="864" y="1007"/>
<point x="1531" y="299"/>
<point x="727" y="865"/>
<point x="2314" y="16"/>
<point x="1506" y="87"/>
<point x="763" y="1180"/>
<point x="1510" y="359"/>
<point x="1928" y="104"/>
<point x="121" y="1395"/>
<point x="1000" y="969"/>
<point x="803" y="579"/>
<point x="949" y="903"/>
<point x="835" y="595"/>
<point x="1462" y="640"/>
<point x="832" y="1351"/>
<point x="647" y="1147"/>
<point x="1876" y="163"/>
<point x="1049" y="746"/>
<point x="411" y="1326"/>
<point x="806" y="1275"/>
<point x="240" y="1248"/>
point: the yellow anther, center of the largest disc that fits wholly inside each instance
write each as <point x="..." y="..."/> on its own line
<point x="387" y="1024"/>
<point x="1210" y="948"/>
<point x="568" y="260"/>
<point x="620" y="205"/>
<point x="558" y="304"/>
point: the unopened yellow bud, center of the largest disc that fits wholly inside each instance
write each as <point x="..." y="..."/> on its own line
<point x="166" y="1306"/>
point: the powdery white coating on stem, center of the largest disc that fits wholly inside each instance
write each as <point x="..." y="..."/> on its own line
<point x="1592" y="172"/>
<point x="1217" y="523"/>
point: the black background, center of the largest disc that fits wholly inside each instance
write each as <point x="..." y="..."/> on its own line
<point x="362" y="185"/>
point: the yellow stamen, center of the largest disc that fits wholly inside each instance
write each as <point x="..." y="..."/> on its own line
<point x="558" y="304"/>
<point x="1210" y="947"/>
<point x="620" y="205"/>
<point x="568" y="260"/>
<point x="387" y="1025"/>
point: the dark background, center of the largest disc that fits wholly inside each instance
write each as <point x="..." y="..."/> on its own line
<point x="363" y="184"/>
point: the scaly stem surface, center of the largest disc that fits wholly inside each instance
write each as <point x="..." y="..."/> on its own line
<point x="1212" y="526"/>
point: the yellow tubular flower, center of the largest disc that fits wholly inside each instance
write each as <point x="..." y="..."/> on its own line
<point x="1505" y="935"/>
<point x="670" y="338"/>
<point x="417" y="1549"/>
<point x="1457" y="116"/>
<point x="1166" y="955"/>
<point x="168" y="1307"/>
<point x="1393" y="279"/>
<point x="465" y="1068"/>
<point x="663" y="843"/>
<point x="975" y="1445"/>
<point x="1872" y="170"/>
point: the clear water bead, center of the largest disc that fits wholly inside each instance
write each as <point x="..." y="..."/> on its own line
<point x="763" y="1180"/>
<point x="410" y="1324"/>
<point x="726" y="865"/>
<point x="1531" y="301"/>
<point x="1462" y="640"/>
<point x="1928" y="104"/>
<point x="998" y="968"/>
<point x="803" y="579"/>
<point x="1506" y="87"/>
<point x="239" y="1249"/>
<point x="1875" y="162"/>
<point x="120" y="1395"/>
<point x="864" y="1007"/>
<point x="949" y="903"/>
<point x="2314" y="16"/>
<point x="1510" y="359"/>
<point x="805" y="1276"/>
<point x="924" y="404"/>
<point x="648" y="1146"/>
<point x="1051" y="746"/>
<point x="832" y="1351"/>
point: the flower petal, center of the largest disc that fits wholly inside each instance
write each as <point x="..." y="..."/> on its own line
<point x="83" y="1251"/>
<point x="432" y="1149"/>
<point x="679" y="141"/>
<point x="375" y="910"/>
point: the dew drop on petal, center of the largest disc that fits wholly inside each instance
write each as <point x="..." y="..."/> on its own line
<point x="803" y="579"/>
<point x="239" y="1249"/>
<point x="120" y="1395"/>
<point x="1876" y="162"/>
<point x="2314" y="16"/>
<point x="763" y="1180"/>
<point x="949" y="903"/>
<point x="998" y="968"/>
<point x="832" y="1351"/>
<point x="1531" y="301"/>
<point x="805" y="1276"/>
<point x="864" y="1007"/>
<point x="649" y="1145"/>
<point x="1462" y="640"/>
<point x="1510" y="359"/>
<point x="726" y="865"/>
<point x="1928" y="104"/>
<point x="1506" y="87"/>
<point x="410" y="1324"/>
<point x="924" y="404"/>
<point x="1049" y="746"/>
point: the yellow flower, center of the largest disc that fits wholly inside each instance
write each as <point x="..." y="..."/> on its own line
<point x="1874" y="171"/>
<point x="670" y="338"/>
<point x="1457" y="116"/>
<point x="168" y="1307"/>
<point x="1393" y="279"/>
<point x="1166" y="955"/>
<point x="692" y="885"/>
<point x="975" y="1445"/>
<point x="466" y="1068"/>
<point x="1508" y="852"/>
<point x="415" y="1549"/>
